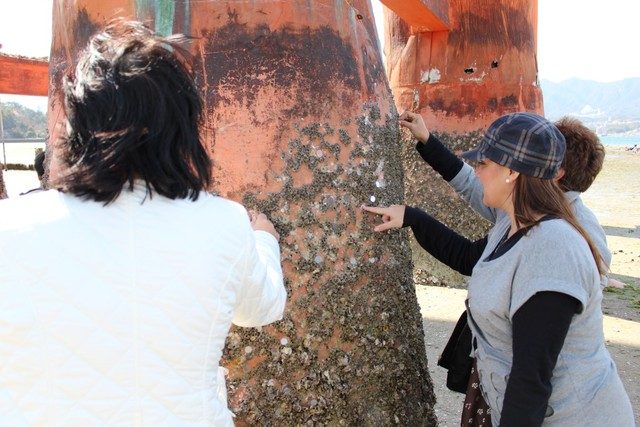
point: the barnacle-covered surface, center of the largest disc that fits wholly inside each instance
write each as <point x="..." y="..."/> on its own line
<point x="350" y="348"/>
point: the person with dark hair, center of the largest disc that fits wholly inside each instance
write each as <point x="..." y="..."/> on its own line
<point x="38" y="165"/>
<point x="3" y="190"/>
<point x="534" y="293"/>
<point x="581" y="165"/>
<point x="140" y="272"/>
<point x="584" y="158"/>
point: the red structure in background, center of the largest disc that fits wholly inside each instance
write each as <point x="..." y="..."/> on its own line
<point x="20" y="75"/>
<point x="459" y="62"/>
<point x="466" y="63"/>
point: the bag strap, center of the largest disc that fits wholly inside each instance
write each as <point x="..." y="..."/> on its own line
<point x="446" y="358"/>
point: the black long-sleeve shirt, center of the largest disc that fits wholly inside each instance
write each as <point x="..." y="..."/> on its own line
<point x="447" y="246"/>
<point x="439" y="158"/>
<point x="539" y="326"/>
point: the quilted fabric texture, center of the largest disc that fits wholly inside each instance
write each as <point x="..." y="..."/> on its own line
<point x="117" y="315"/>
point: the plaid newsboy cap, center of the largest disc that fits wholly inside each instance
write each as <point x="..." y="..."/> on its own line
<point x="523" y="142"/>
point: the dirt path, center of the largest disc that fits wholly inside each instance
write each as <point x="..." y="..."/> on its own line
<point x="441" y="308"/>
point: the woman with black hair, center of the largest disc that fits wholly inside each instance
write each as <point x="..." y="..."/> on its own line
<point x="118" y="288"/>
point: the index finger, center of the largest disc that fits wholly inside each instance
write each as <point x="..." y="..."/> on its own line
<point x="407" y="124"/>
<point x="380" y="210"/>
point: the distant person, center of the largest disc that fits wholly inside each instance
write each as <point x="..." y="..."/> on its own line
<point x="118" y="290"/>
<point x="635" y="146"/>
<point x="534" y="303"/>
<point x="3" y="189"/>
<point x="38" y="165"/>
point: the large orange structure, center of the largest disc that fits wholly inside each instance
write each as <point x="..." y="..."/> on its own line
<point x="300" y="123"/>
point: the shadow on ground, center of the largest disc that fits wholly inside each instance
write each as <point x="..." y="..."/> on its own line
<point x="622" y="231"/>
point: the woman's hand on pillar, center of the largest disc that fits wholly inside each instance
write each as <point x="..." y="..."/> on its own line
<point x="392" y="216"/>
<point x="259" y="221"/>
<point x="415" y="123"/>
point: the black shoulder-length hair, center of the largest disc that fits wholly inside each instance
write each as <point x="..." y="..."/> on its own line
<point x="133" y="113"/>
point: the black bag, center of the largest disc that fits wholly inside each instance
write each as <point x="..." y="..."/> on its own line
<point x="455" y="356"/>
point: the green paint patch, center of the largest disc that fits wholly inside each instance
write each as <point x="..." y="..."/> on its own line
<point x="165" y="13"/>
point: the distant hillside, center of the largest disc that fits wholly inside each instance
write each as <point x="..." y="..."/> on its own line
<point x="22" y="122"/>
<point x="610" y="108"/>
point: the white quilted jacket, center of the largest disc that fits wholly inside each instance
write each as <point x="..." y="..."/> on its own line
<point x="117" y="315"/>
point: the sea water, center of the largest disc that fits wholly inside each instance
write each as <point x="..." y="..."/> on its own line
<point x="620" y="141"/>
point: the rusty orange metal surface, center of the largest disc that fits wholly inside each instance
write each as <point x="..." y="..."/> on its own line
<point x="462" y="79"/>
<point x="300" y="123"/>
<point x="20" y="75"/>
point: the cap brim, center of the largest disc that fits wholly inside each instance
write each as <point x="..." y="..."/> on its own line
<point x="474" y="155"/>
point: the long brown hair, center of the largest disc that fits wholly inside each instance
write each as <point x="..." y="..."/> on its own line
<point x="536" y="196"/>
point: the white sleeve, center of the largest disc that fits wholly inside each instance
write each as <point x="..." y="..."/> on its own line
<point x="468" y="186"/>
<point x="262" y="296"/>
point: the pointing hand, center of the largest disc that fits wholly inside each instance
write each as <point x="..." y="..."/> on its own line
<point x="392" y="217"/>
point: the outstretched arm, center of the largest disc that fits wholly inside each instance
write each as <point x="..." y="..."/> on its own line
<point x="444" y="244"/>
<point x="468" y="186"/>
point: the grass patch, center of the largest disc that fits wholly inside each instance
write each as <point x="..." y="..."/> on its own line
<point x="629" y="293"/>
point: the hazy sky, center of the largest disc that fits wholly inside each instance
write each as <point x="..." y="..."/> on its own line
<point x="587" y="39"/>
